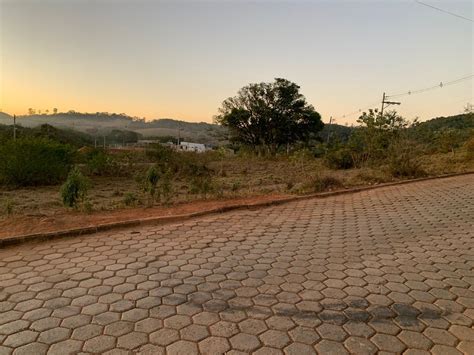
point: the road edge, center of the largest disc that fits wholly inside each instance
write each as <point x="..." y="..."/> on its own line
<point x="37" y="237"/>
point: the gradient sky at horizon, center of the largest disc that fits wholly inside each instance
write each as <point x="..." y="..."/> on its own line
<point x="181" y="59"/>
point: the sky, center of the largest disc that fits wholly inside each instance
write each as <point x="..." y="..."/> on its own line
<point x="181" y="59"/>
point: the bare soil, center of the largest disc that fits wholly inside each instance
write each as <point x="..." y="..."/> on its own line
<point x="240" y="181"/>
<point x="22" y="225"/>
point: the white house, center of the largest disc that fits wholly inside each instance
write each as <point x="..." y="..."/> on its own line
<point x="192" y="147"/>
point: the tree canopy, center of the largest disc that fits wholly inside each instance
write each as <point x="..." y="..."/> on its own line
<point x="271" y="115"/>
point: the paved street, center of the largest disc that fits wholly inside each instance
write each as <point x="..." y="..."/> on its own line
<point x="387" y="270"/>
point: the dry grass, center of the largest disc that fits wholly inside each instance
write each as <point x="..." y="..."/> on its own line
<point x="232" y="177"/>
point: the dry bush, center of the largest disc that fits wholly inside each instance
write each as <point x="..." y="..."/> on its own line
<point x="321" y="183"/>
<point x="403" y="160"/>
<point x="469" y="147"/>
<point x="371" y="176"/>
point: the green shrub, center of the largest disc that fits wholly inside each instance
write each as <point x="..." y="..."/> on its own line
<point x="74" y="190"/>
<point x="403" y="160"/>
<point x="166" y="186"/>
<point x="100" y="163"/>
<point x="235" y="186"/>
<point x="151" y="181"/>
<point x="339" y="158"/>
<point x="469" y="146"/>
<point x="34" y="161"/>
<point x="130" y="199"/>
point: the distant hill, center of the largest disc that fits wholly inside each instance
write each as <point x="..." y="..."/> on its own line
<point x="462" y="121"/>
<point x="110" y="125"/>
<point x="102" y="123"/>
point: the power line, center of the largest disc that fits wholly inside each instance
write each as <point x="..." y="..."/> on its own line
<point x="406" y="93"/>
<point x="438" y="86"/>
<point x="446" y="12"/>
<point x="359" y="110"/>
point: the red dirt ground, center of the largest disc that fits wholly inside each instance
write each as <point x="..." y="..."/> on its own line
<point x="23" y="225"/>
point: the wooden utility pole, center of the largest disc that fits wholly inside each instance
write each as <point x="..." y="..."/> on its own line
<point x="329" y="129"/>
<point x="387" y="103"/>
<point x="179" y="133"/>
<point x="14" y="127"/>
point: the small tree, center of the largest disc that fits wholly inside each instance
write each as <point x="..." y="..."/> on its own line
<point x="74" y="190"/>
<point x="151" y="181"/>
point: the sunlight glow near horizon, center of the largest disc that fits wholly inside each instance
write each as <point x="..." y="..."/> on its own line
<point x="182" y="59"/>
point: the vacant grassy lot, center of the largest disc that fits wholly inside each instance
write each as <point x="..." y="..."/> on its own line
<point x="230" y="177"/>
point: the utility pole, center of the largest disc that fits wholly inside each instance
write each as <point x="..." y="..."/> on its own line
<point x="388" y="103"/>
<point x="179" y="133"/>
<point x="14" y="127"/>
<point x="329" y="129"/>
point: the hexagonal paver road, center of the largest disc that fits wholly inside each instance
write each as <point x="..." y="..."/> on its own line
<point x="390" y="270"/>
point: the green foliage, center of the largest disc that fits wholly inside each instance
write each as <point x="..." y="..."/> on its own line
<point x="151" y="181"/>
<point x="444" y="134"/>
<point x="159" y="184"/>
<point x="166" y="186"/>
<point x="448" y="139"/>
<point x="335" y="132"/>
<point x="463" y="121"/>
<point x="130" y="199"/>
<point x="74" y="190"/>
<point x="201" y="185"/>
<point x="101" y="163"/>
<point x="403" y="160"/>
<point x="34" y="161"/>
<point x="369" y="143"/>
<point x="339" y="157"/>
<point x="163" y="156"/>
<point x="46" y="131"/>
<point x="469" y="146"/>
<point x="271" y="115"/>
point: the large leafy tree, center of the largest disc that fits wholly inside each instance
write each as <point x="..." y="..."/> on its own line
<point x="271" y="115"/>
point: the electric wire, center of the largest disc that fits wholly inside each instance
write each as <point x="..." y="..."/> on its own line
<point x="446" y="12"/>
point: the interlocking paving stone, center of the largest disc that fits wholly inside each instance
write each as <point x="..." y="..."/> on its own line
<point x="386" y="270"/>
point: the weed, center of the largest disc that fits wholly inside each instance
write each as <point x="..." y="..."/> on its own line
<point x="403" y="161"/>
<point x="166" y="187"/>
<point x="289" y="185"/>
<point x="8" y="207"/>
<point x="323" y="183"/>
<point x="151" y="181"/>
<point x="469" y="146"/>
<point x="130" y="199"/>
<point x="87" y="206"/>
<point x="235" y="186"/>
<point x="339" y="158"/>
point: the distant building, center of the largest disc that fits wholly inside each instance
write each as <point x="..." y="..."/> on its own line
<point x="192" y="147"/>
